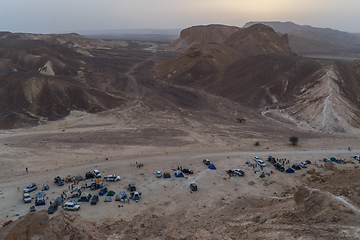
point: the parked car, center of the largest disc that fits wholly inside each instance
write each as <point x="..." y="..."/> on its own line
<point x="32" y="209"/>
<point x="102" y="191"/>
<point x="257" y="158"/>
<point x="97" y="174"/>
<point x="259" y="161"/>
<point x="112" y="178"/>
<point x="206" y="161"/>
<point x="30" y="188"/>
<point x="296" y="166"/>
<point x="94" y="200"/>
<point x="279" y="167"/>
<point x="132" y="188"/>
<point x="271" y="160"/>
<point x="303" y="164"/>
<point x="59" y="181"/>
<point x="167" y="175"/>
<point x="95" y="185"/>
<point x="187" y="170"/>
<point x="239" y="172"/>
<point x="193" y="186"/>
<point x="356" y="157"/>
<point x="158" y="174"/>
<point x="71" y="206"/>
<point x="69" y="178"/>
<point x="27" y="197"/>
<point x="89" y="175"/>
<point x="54" y="206"/>
<point x="308" y="162"/>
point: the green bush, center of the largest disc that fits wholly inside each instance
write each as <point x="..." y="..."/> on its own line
<point x="257" y="143"/>
<point x="294" y="140"/>
<point x="240" y="120"/>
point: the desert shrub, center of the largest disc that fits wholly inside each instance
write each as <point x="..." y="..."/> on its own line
<point x="240" y="120"/>
<point x="294" y="140"/>
<point x="257" y="143"/>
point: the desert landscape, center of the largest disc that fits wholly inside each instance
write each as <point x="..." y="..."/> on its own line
<point x="222" y="93"/>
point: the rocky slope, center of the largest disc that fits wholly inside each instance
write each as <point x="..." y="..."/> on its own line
<point x="308" y="40"/>
<point x="261" y="70"/>
<point x="202" y="34"/>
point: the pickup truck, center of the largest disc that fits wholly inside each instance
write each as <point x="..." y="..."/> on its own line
<point x="59" y="181"/>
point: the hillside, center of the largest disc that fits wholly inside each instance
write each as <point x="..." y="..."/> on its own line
<point x="264" y="73"/>
<point x="201" y="34"/>
<point x="313" y="41"/>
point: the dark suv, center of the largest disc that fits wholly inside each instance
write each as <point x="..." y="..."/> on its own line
<point x="94" y="200"/>
<point x="279" y="167"/>
<point x="193" y="187"/>
<point x="187" y="170"/>
<point x="53" y="207"/>
<point x="131" y="187"/>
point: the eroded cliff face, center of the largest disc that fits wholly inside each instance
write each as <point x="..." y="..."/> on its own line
<point x="202" y="34"/>
<point x="256" y="66"/>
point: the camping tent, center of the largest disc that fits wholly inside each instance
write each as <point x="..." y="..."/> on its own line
<point x="290" y="170"/>
<point x="45" y="187"/>
<point x="107" y="199"/>
<point x="179" y="174"/>
<point x="212" y="166"/>
<point x="84" y="197"/>
<point x="40" y="194"/>
<point x="98" y="181"/>
<point x="333" y="159"/>
<point x="121" y="196"/>
<point x="256" y="169"/>
<point x="79" y="178"/>
<point x="111" y="193"/>
<point x="248" y="163"/>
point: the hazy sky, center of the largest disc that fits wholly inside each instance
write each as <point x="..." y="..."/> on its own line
<point x="51" y="16"/>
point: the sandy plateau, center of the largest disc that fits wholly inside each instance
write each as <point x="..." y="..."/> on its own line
<point x="320" y="202"/>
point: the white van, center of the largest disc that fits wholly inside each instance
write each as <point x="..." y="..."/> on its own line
<point x="97" y="174"/>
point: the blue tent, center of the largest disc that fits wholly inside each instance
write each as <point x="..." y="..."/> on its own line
<point x="256" y="169"/>
<point x="290" y="170"/>
<point x="212" y="166"/>
<point x="179" y="174"/>
<point x="248" y="163"/>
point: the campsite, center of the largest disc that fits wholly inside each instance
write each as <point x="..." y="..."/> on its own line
<point x="122" y="191"/>
<point x="266" y="202"/>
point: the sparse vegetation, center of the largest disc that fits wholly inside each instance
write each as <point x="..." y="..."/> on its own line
<point x="240" y="120"/>
<point x="294" y="140"/>
<point x="257" y="143"/>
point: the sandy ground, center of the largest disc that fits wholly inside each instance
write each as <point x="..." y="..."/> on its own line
<point x="320" y="202"/>
<point x="45" y="158"/>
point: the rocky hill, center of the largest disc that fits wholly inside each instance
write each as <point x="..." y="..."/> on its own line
<point x="308" y="40"/>
<point x="261" y="70"/>
<point x="202" y="34"/>
<point x="42" y="79"/>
